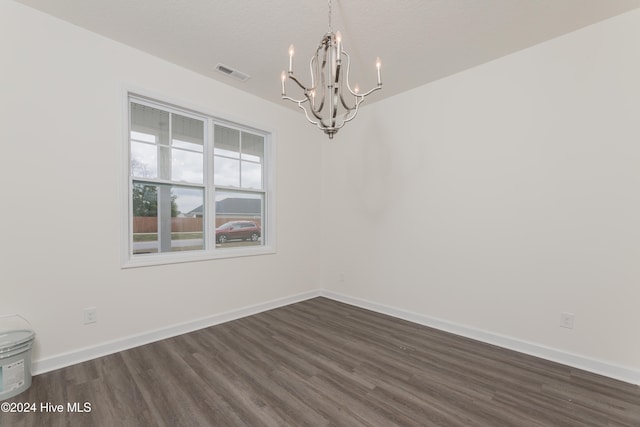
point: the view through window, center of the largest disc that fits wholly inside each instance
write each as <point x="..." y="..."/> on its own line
<point x="196" y="184"/>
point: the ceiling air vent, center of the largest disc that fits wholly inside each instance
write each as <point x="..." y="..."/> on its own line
<point x="238" y="75"/>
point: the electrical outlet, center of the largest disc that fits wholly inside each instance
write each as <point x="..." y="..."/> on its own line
<point x="566" y="320"/>
<point x="90" y="315"/>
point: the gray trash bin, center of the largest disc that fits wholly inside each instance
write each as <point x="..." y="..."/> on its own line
<point x="16" y="341"/>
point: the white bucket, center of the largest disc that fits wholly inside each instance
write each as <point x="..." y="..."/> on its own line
<point x="16" y="341"/>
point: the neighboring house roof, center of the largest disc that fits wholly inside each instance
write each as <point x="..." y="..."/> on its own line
<point x="197" y="211"/>
<point x="237" y="206"/>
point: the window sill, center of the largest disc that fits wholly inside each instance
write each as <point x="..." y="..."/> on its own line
<point x="176" y="258"/>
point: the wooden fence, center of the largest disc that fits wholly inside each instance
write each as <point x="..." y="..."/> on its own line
<point x="149" y="224"/>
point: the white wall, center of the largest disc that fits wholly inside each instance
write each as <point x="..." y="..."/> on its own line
<point x="502" y="196"/>
<point x="61" y="119"/>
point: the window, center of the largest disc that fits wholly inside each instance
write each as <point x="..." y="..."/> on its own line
<point x="197" y="186"/>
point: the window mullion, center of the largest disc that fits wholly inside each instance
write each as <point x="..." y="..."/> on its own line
<point x="166" y="182"/>
<point x="210" y="199"/>
<point x="164" y="191"/>
<point x="240" y="163"/>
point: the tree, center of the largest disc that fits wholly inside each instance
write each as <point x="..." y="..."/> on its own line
<point x="145" y="201"/>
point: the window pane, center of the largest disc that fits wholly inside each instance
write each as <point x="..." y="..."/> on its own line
<point x="226" y="142"/>
<point x="187" y="160"/>
<point x="252" y="147"/>
<point x="226" y="172"/>
<point x="188" y="133"/>
<point x="144" y="160"/>
<point x="186" y="225"/>
<point x="187" y="166"/>
<point x="239" y="219"/>
<point x="145" y="218"/>
<point x="167" y="218"/>
<point x="150" y="121"/>
<point x="251" y="175"/>
<point x="226" y="149"/>
<point x="144" y="137"/>
<point x="253" y="154"/>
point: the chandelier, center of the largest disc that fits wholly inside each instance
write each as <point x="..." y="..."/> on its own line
<point x="329" y="102"/>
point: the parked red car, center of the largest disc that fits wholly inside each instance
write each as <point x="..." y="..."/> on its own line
<point x="238" y="230"/>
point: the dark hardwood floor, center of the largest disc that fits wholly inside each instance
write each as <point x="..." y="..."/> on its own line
<point x="319" y="363"/>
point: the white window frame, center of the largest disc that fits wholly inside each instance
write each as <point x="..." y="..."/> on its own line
<point x="210" y="252"/>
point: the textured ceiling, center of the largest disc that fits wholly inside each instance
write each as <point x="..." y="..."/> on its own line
<point x="419" y="41"/>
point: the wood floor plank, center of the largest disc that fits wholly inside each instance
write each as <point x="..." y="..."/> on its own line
<point x="324" y="363"/>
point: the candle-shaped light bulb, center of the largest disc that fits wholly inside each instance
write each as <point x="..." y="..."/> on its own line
<point x="283" y="77"/>
<point x="356" y="89"/>
<point x="339" y="43"/>
<point x="313" y="98"/>
<point x="291" y="59"/>
<point x="378" y="65"/>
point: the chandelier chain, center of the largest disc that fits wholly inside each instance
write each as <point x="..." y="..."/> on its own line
<point x="329" y="1"/>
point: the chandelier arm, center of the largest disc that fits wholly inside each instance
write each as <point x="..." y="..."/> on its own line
<point x="335" y="96"/>
<point x="312" y="61"/>
<point x="356" y="94"/>
<point x="321" y="106"/>
<point x="306" y="113"/>
<point x="316" y="113"/>
<point x="329" y="130"/>
<point x="344" y="103"/>
<point x="334" y="100"/>
<point x="319" y="68"/>
<point x="315" y="59"/>
<point x="319" y="122"/>
<point x="349" y="73"/>
<point x="297" y="101"/>
<point x="378" y="87"/>
<point x="292" y="77"/>
<point x="355" y="110"/>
